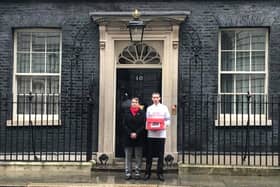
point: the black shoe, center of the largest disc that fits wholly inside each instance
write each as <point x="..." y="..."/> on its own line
<point x="128" y="177"/>
<point x="160" y="177"/>
<point x="147" y="177"/>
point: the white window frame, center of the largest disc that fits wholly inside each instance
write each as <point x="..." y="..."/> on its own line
<point x="37" y="119"/>
<point x="242" y="119"/>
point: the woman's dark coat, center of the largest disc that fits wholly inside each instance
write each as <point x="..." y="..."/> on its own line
<point x="134" y="124"/>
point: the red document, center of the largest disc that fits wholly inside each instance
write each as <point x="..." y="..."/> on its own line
<point x="154" y="124"/>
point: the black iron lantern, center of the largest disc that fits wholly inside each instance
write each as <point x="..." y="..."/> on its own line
<point x="136" y="28"/>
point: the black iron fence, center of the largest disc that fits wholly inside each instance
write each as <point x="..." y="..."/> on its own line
<point x="230" y="130"/>
<point x="40" y="127"/>
<point x="217" y="130"/>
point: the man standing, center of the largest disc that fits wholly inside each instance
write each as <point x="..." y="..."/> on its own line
<point x="156" y="137"/>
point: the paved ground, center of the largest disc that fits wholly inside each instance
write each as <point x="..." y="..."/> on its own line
<point x="115" y="179"/>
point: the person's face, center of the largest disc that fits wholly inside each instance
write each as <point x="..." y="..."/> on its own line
<point x="155" y="98"/>
<point x="134" y="103"/>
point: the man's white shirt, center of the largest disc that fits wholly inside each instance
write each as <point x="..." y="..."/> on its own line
<point x="158" y="111"/>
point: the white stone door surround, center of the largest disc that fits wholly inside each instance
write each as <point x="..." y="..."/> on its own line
<point x="162" y="27"/>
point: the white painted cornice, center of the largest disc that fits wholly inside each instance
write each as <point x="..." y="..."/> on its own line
<point x="155" y="17"/>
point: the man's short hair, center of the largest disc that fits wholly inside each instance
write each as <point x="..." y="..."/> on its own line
<point x="156" y="93"/>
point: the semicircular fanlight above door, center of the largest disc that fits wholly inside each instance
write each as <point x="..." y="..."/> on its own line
<point x="139" y="54"/>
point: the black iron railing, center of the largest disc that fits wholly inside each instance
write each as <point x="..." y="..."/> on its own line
<point x="231" y="130"/>
<point x="38" y="127"/>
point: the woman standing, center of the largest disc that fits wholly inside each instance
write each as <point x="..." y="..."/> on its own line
<point x="134" y="137"/>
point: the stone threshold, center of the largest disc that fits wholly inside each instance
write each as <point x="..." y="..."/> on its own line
<point x="119" y="165"/>
<point x="120" y="168"/>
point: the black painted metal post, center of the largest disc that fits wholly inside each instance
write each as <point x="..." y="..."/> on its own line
<point x="89" y="129"/>
<point x="247" y="138"/>
<point x="30" y="121"/>
<point x="248" y="127"/>
<point x="183" y="105"/>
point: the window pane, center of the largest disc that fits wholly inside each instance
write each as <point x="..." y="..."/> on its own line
<point x="242" y="40"/>
<point x="23" y="105"/>
<point x="258" y="61"/>
<point x="227" y="104"/>
<point x="38" y="85"/>
<point x="227" y="61"/>
<point x="23" y="41"/>
<point x="151" y="58"/>
<point x="23" y="85"/>
<point x="38" y="63"/>
<point x="53" y="42"/>
<point x="227" y="40"/>
<point x="38" y="104"/>
<point x="258" y="40"/>
<point x="52" y="85"/>
<point x="23" y="63"/>
<point x="52" y="104"/>
<point x="53" y="63"/>
<point x="227" y="84"/>
<point x="242" y="83"/>
<point x="242" y="61"/>
<point x="38" y="42"/>
<point x="258" y="104"/>
<point x="241" y="104"/>
<point x="257" y="82"/>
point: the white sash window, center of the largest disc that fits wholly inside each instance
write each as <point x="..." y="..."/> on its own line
<point x="37" y="74"/>
<point x="243" y="64"/>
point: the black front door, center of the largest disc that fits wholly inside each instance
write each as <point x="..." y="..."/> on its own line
<point x="139" y="83"/>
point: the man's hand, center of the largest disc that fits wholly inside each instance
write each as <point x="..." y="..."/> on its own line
<point x="133" y="135"/>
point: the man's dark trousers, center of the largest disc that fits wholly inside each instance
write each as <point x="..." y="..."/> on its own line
<point x="155" y="149"/>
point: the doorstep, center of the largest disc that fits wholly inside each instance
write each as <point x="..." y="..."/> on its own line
<point x="119" y="164"/>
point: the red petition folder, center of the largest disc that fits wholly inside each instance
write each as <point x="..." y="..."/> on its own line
<point x="154" y="124"/>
